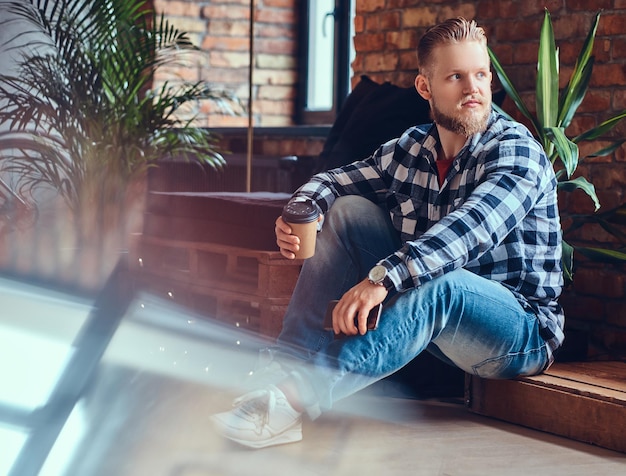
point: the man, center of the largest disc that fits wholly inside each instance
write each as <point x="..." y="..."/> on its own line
<point x="454" y="226"/>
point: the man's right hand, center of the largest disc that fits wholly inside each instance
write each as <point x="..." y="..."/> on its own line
<point x="287" y="242"/>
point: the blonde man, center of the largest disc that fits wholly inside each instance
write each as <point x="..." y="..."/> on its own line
<point x="453" y="226"/>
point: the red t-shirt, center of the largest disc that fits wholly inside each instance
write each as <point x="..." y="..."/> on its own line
<point x="443" y="166"/>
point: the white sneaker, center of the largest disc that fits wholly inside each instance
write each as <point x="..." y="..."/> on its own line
<point x="261" y="418"/>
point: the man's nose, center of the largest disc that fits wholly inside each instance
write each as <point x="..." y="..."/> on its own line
<point x="471" y="85"/>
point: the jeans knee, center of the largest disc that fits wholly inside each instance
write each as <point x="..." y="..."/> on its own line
<point x="349" y="208"/>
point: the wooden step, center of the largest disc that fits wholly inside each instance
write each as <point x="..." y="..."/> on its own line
<point x="244" y="287"/>
<point x="584" y="401"/>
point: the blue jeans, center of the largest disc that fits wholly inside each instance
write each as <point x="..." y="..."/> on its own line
<point x="462" y="318"/>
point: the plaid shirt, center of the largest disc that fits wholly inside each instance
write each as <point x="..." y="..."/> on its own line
<point x="495" y="215"/>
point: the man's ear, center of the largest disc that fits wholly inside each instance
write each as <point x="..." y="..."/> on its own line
<point x="422" y="86"/>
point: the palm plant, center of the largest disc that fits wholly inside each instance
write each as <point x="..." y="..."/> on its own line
<point x="554" y="113"/>
<point x="80" y="115"/>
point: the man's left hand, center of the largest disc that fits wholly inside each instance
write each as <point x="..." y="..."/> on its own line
<point x="358" y="302"/>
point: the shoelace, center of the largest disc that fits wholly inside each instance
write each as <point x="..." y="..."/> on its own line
<point x="258" y="405"/>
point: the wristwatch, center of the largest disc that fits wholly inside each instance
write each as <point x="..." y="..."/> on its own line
<point x="377" y="275"/>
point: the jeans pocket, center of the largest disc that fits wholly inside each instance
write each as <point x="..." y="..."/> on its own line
<point x="510" y="366"/>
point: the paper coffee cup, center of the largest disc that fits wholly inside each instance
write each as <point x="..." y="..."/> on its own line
<point x="302" y="218"/>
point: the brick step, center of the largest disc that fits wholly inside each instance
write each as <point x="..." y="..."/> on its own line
<point x="583" y="401"/>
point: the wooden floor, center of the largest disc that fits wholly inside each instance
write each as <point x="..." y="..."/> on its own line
<point x="377" y="432"/>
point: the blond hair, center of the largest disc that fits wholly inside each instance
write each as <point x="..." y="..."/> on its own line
<point x="450" y="31"/>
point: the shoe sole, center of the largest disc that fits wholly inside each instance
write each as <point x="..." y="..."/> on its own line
<point x="289" y="436"/>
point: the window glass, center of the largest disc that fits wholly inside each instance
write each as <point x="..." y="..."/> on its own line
<point x="321" y="69"/>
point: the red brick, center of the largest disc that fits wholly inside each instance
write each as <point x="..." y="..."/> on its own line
<point x="280" y="92"/>
<point x="408" y="61"/>
<point x="596" y="101"/>
<point x="279" y="16"/>
<point x="612" y="342"/>
<point x="404" y="4"/>
<point x="616" y="313"/>
<point x="517" y="30"/>
<point x="177" y="8"/>
<point x="275" y="31"/>
<point x="387" y="61"/>
<point x="371" y="5"/>
<point x="589" y="5"/>
<point x="612" y="177"/>
<point x="275" y="45"/>
<point x="466" y="10"/>
<point x="612" y="24"/>
<point x="402" y="40"/>
<point x="584" y="308"/>
<point x="276" y="108"/>
<point x="229" y="28"/>
<point x="225" y="43"/>
<point x="526" y="53"/>
<point x="504" y="53"/>
<point x="273" y="77"/>
<point x="419" y="17"/>
<point x="390" y="20"/>
<point x="370" y="42"/>
<point x="571" y="25"/>
<point x="608" y="75"/>
<point x="581" y="123"/>
<point x="537" y="7"/>
<point x="225" y="59"/>
<point x="226" y="76"/>
<point x="359" y="24"/>
<point x="494" y="9"/>
<point x="291" y="4"/>
<point x="213" y="12"/>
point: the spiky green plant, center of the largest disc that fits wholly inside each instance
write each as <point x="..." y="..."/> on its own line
<point x="554" y="112"/>
<point x="80" y="114"/>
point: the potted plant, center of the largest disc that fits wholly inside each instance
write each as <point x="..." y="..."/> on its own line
<point x="80" y="121"/>
<point x="554" y="112"/>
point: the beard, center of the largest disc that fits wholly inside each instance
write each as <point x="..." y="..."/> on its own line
<point x="465" y="126"/>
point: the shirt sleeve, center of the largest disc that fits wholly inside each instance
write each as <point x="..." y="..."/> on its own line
<point x="366" y="178"/>
<point x="516" y="172"/>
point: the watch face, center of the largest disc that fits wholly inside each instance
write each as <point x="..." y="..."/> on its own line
<point x="377" y="273"/>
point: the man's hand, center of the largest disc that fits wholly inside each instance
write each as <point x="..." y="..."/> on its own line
<point x="289" y="244"/>
<point x="357" y="301"/>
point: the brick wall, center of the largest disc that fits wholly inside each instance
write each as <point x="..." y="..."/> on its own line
<point x="221" y="29"/>
<point x="386" y="36"/>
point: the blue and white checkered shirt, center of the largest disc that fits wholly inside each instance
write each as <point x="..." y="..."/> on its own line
<point x="495" y="214"/>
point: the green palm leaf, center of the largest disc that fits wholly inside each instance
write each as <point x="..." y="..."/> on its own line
<point x="508" y="86"/>
<point x="576" y="88"/>
<point x="581" y="183"/>
<point x="566" y="150"/>
<point x="90" y="90"/>
<point x="547" y="76"/>
<point x="600" y="130"/>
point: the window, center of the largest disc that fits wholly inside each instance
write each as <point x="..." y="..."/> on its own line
<point x="326" y="54"/>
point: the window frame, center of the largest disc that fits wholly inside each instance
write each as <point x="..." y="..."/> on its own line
<point x="341" y="80"/>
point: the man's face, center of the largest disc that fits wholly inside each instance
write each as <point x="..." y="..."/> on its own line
<point x="458" y="86"/>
